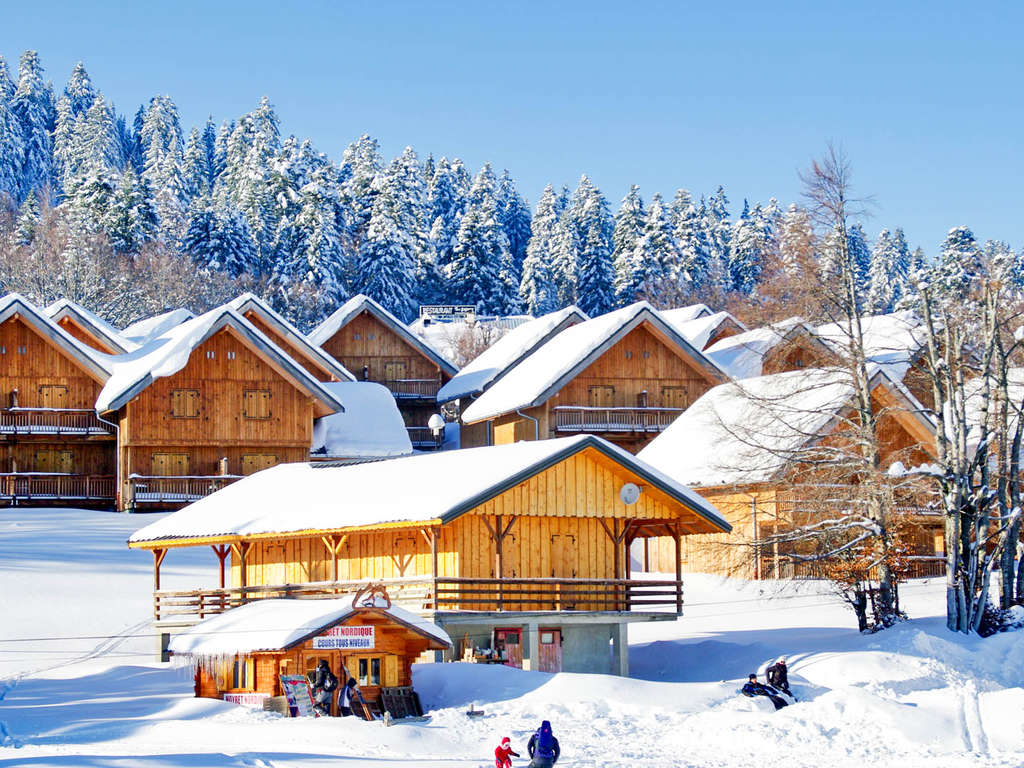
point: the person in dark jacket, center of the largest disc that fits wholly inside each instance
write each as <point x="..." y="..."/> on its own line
<point x="323" y="687"/>
<point x="778" y="675"/>
<point x="754" y="688"/>
<point x="345" y="698"/>
<point x="543" y="747"/>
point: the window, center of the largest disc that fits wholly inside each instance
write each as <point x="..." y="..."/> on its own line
<point x="231" y="355"/>
<point x="185" y="403"/>
<point x="375" y="670"/>
<point x="356" y="337"/>
<point x="254" y="462"/>
<point x="256" y="403"/>
<point x="53" y="396"/>
<point x="629" y="354"/>
<point x="369" y="671"/>
<point x="22" y="350"/>
<point x="239" y="675"/>
<point x="211" y="354"/>
<point x="170" y="464"/>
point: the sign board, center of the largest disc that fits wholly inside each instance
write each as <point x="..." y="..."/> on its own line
<point x="447" y="311"/>
<point x="300" y="699"/>
<point x="358" y="637"/>
<point x="251" y="700"/>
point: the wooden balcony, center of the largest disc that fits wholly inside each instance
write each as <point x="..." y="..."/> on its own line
<point x="53" y="421"/>
<point x="33" y="488"/>
<point x="413" y="389"/>
<point x="173" y="490"/>
<point x="452" y="594"/>
<point x="574" y="419"/>
<point x="423" y="438"/>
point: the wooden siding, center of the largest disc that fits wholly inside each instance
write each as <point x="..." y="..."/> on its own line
<point x="796" y="354"/>
<point x="74" y="329"/>
<point x="29" y="361"/>
<point x="30" y="455"/>
<point x="366" y="341"/>
<point x="296" y="353"/>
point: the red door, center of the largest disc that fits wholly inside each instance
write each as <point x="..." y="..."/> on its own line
<point x="550" y="650"/>
<point x="507" y="642"/>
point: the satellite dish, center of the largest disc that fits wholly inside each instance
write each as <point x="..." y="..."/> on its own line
<point x="629" y="493"/>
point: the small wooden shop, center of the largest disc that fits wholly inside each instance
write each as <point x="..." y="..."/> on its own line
<point x="243" y="655"/>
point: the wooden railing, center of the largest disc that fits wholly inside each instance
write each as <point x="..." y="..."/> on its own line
<point x="413" y="389"/>
<point x="31" y="487"/>
<point x="174" y="489"/>
<point x="918" y="567"/>
<point x="582" y="418"/>
<point x="423" y="438"/>
<point x="52" y="421"/>
<point x="452" y="594"/>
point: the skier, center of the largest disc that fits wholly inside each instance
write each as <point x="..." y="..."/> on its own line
<point x="323" y="687"/>
<point x="503" y="754"/>
<point x="543" y="747"/>
<point x="345" y="698"/>
<point x="778" y="675"/>
<point x="754" y="688"/>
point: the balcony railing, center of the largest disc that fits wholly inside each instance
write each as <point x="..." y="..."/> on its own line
<point x="174" y="489"/>
<point x="451" y="594"/>
<point x="582" y="418"/>
<point x="413" y="389"/>
<point x="423" y="438"/>
<point x="31" y="487"/>
<point x="917" y="567"/>
<point x="52" y="421"/>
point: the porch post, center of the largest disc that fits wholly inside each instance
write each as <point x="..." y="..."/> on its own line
<point x="158" y="559"/>
<point x="434" y="534"/>
<point x="679" y="569"/>
<point x="221" y="550"/>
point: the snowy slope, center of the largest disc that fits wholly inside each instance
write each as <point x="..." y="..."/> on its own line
<point x="915" y="696"/>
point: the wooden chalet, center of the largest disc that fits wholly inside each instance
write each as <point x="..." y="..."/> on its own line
<point x="704" y="330"/>
<point x="790" y="345"/>
<point x="207" y="402"/>
<point x="624" y="376"/>
<point x="498" y="360"/>
<point x="55" y="450"/>
<point x="376" y="346"/>
<point x="88" y="328"/>
<point x="743" y="447"/>
<point x="241" y="655"/>
<point x="519" y="548"/>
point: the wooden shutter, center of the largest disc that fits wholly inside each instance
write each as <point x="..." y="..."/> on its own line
<point x="601" y="396"/>
<point x="52" y="460"/>
<point x="390" y="671"/>
<point x="170" y="464"/>
<point x="394" y="370"/>
<point x="675" y="397"/>
<point x="53" y="396"/>
<point x="254" y="462"/>
<point x="185" y="403"/>
<point x="256" y="404"/>
<point x="563" y="556"/>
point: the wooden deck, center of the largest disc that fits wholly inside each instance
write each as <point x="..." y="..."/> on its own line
<point x="423" y="438"/>
<point x="173" y="490"/>
<point x="574" y="419"/>
<point x="450" y="594"/>
<point x="413" y="389"/>
<point x="66" y="422"/>
<point x="33" y="488"/>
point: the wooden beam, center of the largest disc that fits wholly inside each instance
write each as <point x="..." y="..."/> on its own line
<point x="158" y="559"/>
<point x="241" y="549"/>
<point x="221" y="550"/>
<point x="679" y="570"/>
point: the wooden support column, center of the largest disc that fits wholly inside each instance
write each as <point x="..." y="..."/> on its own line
<point x="679" y="569"/>
<point x="222" y="551"/>
<point x="242" y="550"/>
<point x="158" y="559"/>
<point x="498" y="534"/>
<point x="432" y="535"/>
<point x="334" y="543"/>
<point x="618" y="537"/>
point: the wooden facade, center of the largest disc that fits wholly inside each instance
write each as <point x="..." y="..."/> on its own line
<point x="53" y="448"/>
<point x="84" y="335"/>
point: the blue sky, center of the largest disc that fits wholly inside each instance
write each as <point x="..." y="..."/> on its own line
<point x="924" y="97"/>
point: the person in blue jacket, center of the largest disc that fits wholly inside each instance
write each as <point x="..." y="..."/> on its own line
<point x="754" y="688"/>
<point x="543" y="747"/>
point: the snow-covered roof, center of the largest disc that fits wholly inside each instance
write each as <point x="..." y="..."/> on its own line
<point x="892" y="340"/>
<point x="691" y="312"/>
<point x="425" y="487"/>
<point x="277" y="624"/>
<point x="742" y="355"/>
<point x="445" y="335"/>
<point x="699" y="330"/>
<point x="148" y="328"/>
<point x="168" y="353"/>
<point x="550" y="367"/>
<point x="359" y="303"/>
<point x="371" y="425"/>
<point x="748" y="431"/>
<point x="92" y="361"/>
<point x="90" y="322"/>
<point x="299" y="344"/>
<point x="507" y="352"/>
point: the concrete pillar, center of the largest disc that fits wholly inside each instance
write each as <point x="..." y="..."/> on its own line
<point x="163" y="640"/>
<point x="532" y="631"/>
<point x="620" y="649"/>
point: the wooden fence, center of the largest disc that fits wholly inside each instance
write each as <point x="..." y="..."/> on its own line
<point x="52" y="421"/>
<point x="413" y="389"/>
<point x="174" y="489"/>
<point x="579" y="418"/>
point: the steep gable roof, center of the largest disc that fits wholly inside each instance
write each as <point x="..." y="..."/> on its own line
<point x="687" y="313"/>
<point x="249" y="302"/>
<point x="360" y="303"/>
<point x="91" y="323"/>
<point x="743" y="355"/>
<point x="168" y="353"/>
<point x="95" y="363"/>
<point x="549" y="368"/>
<point x="507" y="352"/>
<point x="430" y="487"/>
<point x="699" y="330"/>
<point x="892" y="340"/>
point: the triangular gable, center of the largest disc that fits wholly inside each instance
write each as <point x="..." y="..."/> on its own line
<point x="550" y="368"/>
<point x="89" y="324"/>
<point x="360" y="303"/>
<point x="168" y="354"/>
<point x="297" y="343"/>
<point x="94" y="363"/>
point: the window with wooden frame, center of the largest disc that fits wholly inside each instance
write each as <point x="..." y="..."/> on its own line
<point x="256" y="404"/>
<point x="185" y="403"/>
<point x="170" y="464"/>
<point x="254" y="462"/>
<point x="601" y="396"/>
<point x="53" y="396"/>
<point x="375" y="670"/>
<point x="238" y="675"/>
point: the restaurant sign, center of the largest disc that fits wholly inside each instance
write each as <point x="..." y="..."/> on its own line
<point x="345" y="638"/>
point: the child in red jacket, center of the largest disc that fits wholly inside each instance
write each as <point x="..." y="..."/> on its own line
<point x="503" y="754"/>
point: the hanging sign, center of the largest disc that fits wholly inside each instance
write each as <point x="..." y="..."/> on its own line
<point x="357" y="637"/>
<point x="300" y="699"/>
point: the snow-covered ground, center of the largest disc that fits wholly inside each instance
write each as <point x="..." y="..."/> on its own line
<point x="94" y="696"/>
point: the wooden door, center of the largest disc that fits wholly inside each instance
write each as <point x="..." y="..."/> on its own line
<point x="170" y="464"/>
<point x="53" y="396"/>
<point x="601" y="396"/>
<point x="563" y="556"/>
<point x="508" y="644"/>
<point x="550" y="650"/>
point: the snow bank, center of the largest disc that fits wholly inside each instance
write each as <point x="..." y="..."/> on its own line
<point x="371" y="425"/>
<point x="148" y="328"/>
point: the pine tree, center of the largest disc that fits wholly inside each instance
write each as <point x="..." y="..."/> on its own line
<point x="131" y="220"/>
<point x="567" y="245"/>
<point x="218" y="238"/>
<point x="386" y="260"/>
<point x="648" y="267"/>
<point x="860" y="256"/>
<point x="317" y="253"/>
<point x="195" y="169"/>
<point x="887" y="276"/>
<point x="447" y="198"/>
<point x="28" y="220"/>
<point x="694" y="254"/>
<point x="360" y="165"/>
<point x="746" y="251"/>
<point x="536" y="288"/>
<point x="31" y="108"/>
<point x="11" y="149"/>
<point x="514" y="216"/>
<point x="79" y="91"/>
<point x="161" y="145"/>
<point x="596" y="294"/>
<point x="1003" y="262"/>
<point x="629" y="227"/>
<point x="959" y="263"/>
<point x="718" y="232"/>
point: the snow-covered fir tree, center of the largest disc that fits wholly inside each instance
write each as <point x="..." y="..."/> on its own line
<point x="28" y="220"/>
<point x="316" y="253"/>
<point x="747" y="246"/>
<point x="514" y="217"/>
<point x="10" y="138"/>
<point x="162" y="152"/>
<point x="718" y="233"/>
<point x="447" y="197"/>
<point x="386" y="257"/>
<point x="30" y="107"/>
<point x="887" y="276"/>
<point x="629" y="226"/>
<point x="959" y="262"/>
<point x="567" y="246"/>
<point x="537" y="290"/>
<point x="404" y="176"/>
<point x="860" y="257"/>
<point x="360" y="165"/>
<point x="652" y="262"/>
<point x="131" y="220"/>
<point x="692" y="267"/>
<point x="596" y="294"/>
